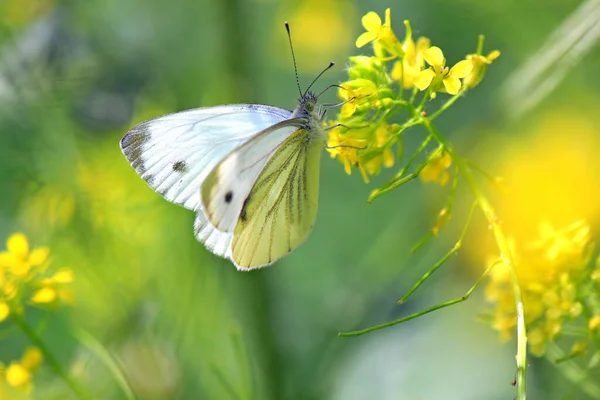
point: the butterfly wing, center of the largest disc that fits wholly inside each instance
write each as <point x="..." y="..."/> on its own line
<point x="226" y="188"/>
<point x="175" y="153"/>
<point x="280" y="210"/>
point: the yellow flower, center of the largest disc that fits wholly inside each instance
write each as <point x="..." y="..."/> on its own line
<point x="480" y="64"/>
<point x="18" y="259"/>
<point x="413" y="61"/>
<point x="436" y="170"/>
<point x="439" y="72"/>
<point x="594" y="323"/>
<point x="383" y="153"/>
<point x="18" y="374"/>
<point x="345" y="147"/>
<point x="549" y="271"/>
<point x="379" y="32"/>
<point x="53" y="289"/>
<point x="355" y="93"/>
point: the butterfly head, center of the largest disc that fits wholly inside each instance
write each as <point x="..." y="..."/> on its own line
<point x="308" y="106"/>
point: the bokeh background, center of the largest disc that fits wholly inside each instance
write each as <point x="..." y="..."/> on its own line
<point x="181" y="323"/>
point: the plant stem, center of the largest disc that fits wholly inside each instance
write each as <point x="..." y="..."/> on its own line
<point x="503" y="247"/>
<point x="49" y="357"/>
<point x="448" y="303"/>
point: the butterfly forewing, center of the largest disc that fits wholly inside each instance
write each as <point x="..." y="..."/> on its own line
<point x="228" y="185"/>
<point x="280" y="210"/>
<point x="174" y="153"/>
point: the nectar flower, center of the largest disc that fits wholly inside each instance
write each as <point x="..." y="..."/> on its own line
<point x="437" y="170"/>
<point x="345" y="147"/>
<point x="381" y="153"/>
<point x="480" y="64"/>
<point x="413" y="61"/>
<point x="355" y="93"/>
<point x="379" y="32"/>
<point x="439" y="72"/>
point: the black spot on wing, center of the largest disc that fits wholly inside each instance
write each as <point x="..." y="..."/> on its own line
<point x="228" y="197"/>
<point x="180" y="166"/>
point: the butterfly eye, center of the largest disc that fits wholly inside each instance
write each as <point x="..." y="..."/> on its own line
<point x="309" y="106"/>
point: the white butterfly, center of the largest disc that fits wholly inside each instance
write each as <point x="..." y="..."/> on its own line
<point x="251" y="173"/>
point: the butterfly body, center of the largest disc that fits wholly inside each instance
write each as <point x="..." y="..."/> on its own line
<point x="251" y="173"/>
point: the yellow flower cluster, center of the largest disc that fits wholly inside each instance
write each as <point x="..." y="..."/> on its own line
<point x="375" y="92"/>
<point x="24" y="280"/>
<point x="18" y="373"/>
<point x="559" y="287"/>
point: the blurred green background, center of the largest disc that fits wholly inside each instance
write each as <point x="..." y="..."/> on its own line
<point x="183" y="323"/>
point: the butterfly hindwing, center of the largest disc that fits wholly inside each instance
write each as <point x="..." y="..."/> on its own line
<point x="225" y="189"/>
<point x="280" y="210"/>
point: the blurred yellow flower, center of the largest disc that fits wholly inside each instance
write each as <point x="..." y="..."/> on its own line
<point x="439" y="72"/>
<point x="19" y="374"/>
<point x="53" y="289"/>
<point x="437" y="170"/>
<point x="550" y="274"/>
<point x="4" y="310"/>
<point x="319" y="31"/>
<point x="18" y="259"/>
<point x="594" y="323"/>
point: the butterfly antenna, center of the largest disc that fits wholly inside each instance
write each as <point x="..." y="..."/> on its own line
<point x="287" y="28"/>
<point x="331" y="64"/>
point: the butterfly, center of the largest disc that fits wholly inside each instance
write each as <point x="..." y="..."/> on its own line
<point x="251" y="173"/>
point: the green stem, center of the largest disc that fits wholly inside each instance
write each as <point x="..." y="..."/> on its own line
<point x="505" y="253"/>
<point x="448" y="104"/>
<point x="441" y="262"/>
<point x="49" y="357"/>
<point x="420" y="313"/>
<point x="399" y="178"/>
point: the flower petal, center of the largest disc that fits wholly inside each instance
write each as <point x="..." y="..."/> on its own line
<point x="388" y="17"/>
<point x="434" y="56"/>
<point x="452" y="84"/>
<point x="397" y="71"/>
<point x="365" y="38"/>
<point x="348" y="109"/>
<point x="423" y="80"/>
<point x="371" y="22"/>
<point x="7" y="259"/>
<point x="18" y="245"/>
<point x="44" y="296"/>
<point x="39" y="256"/>
<point x="462" y="69"/>
<point x="17" y="375"/>
<point x="493" y="55"/>
<point x="64" y="275"/>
